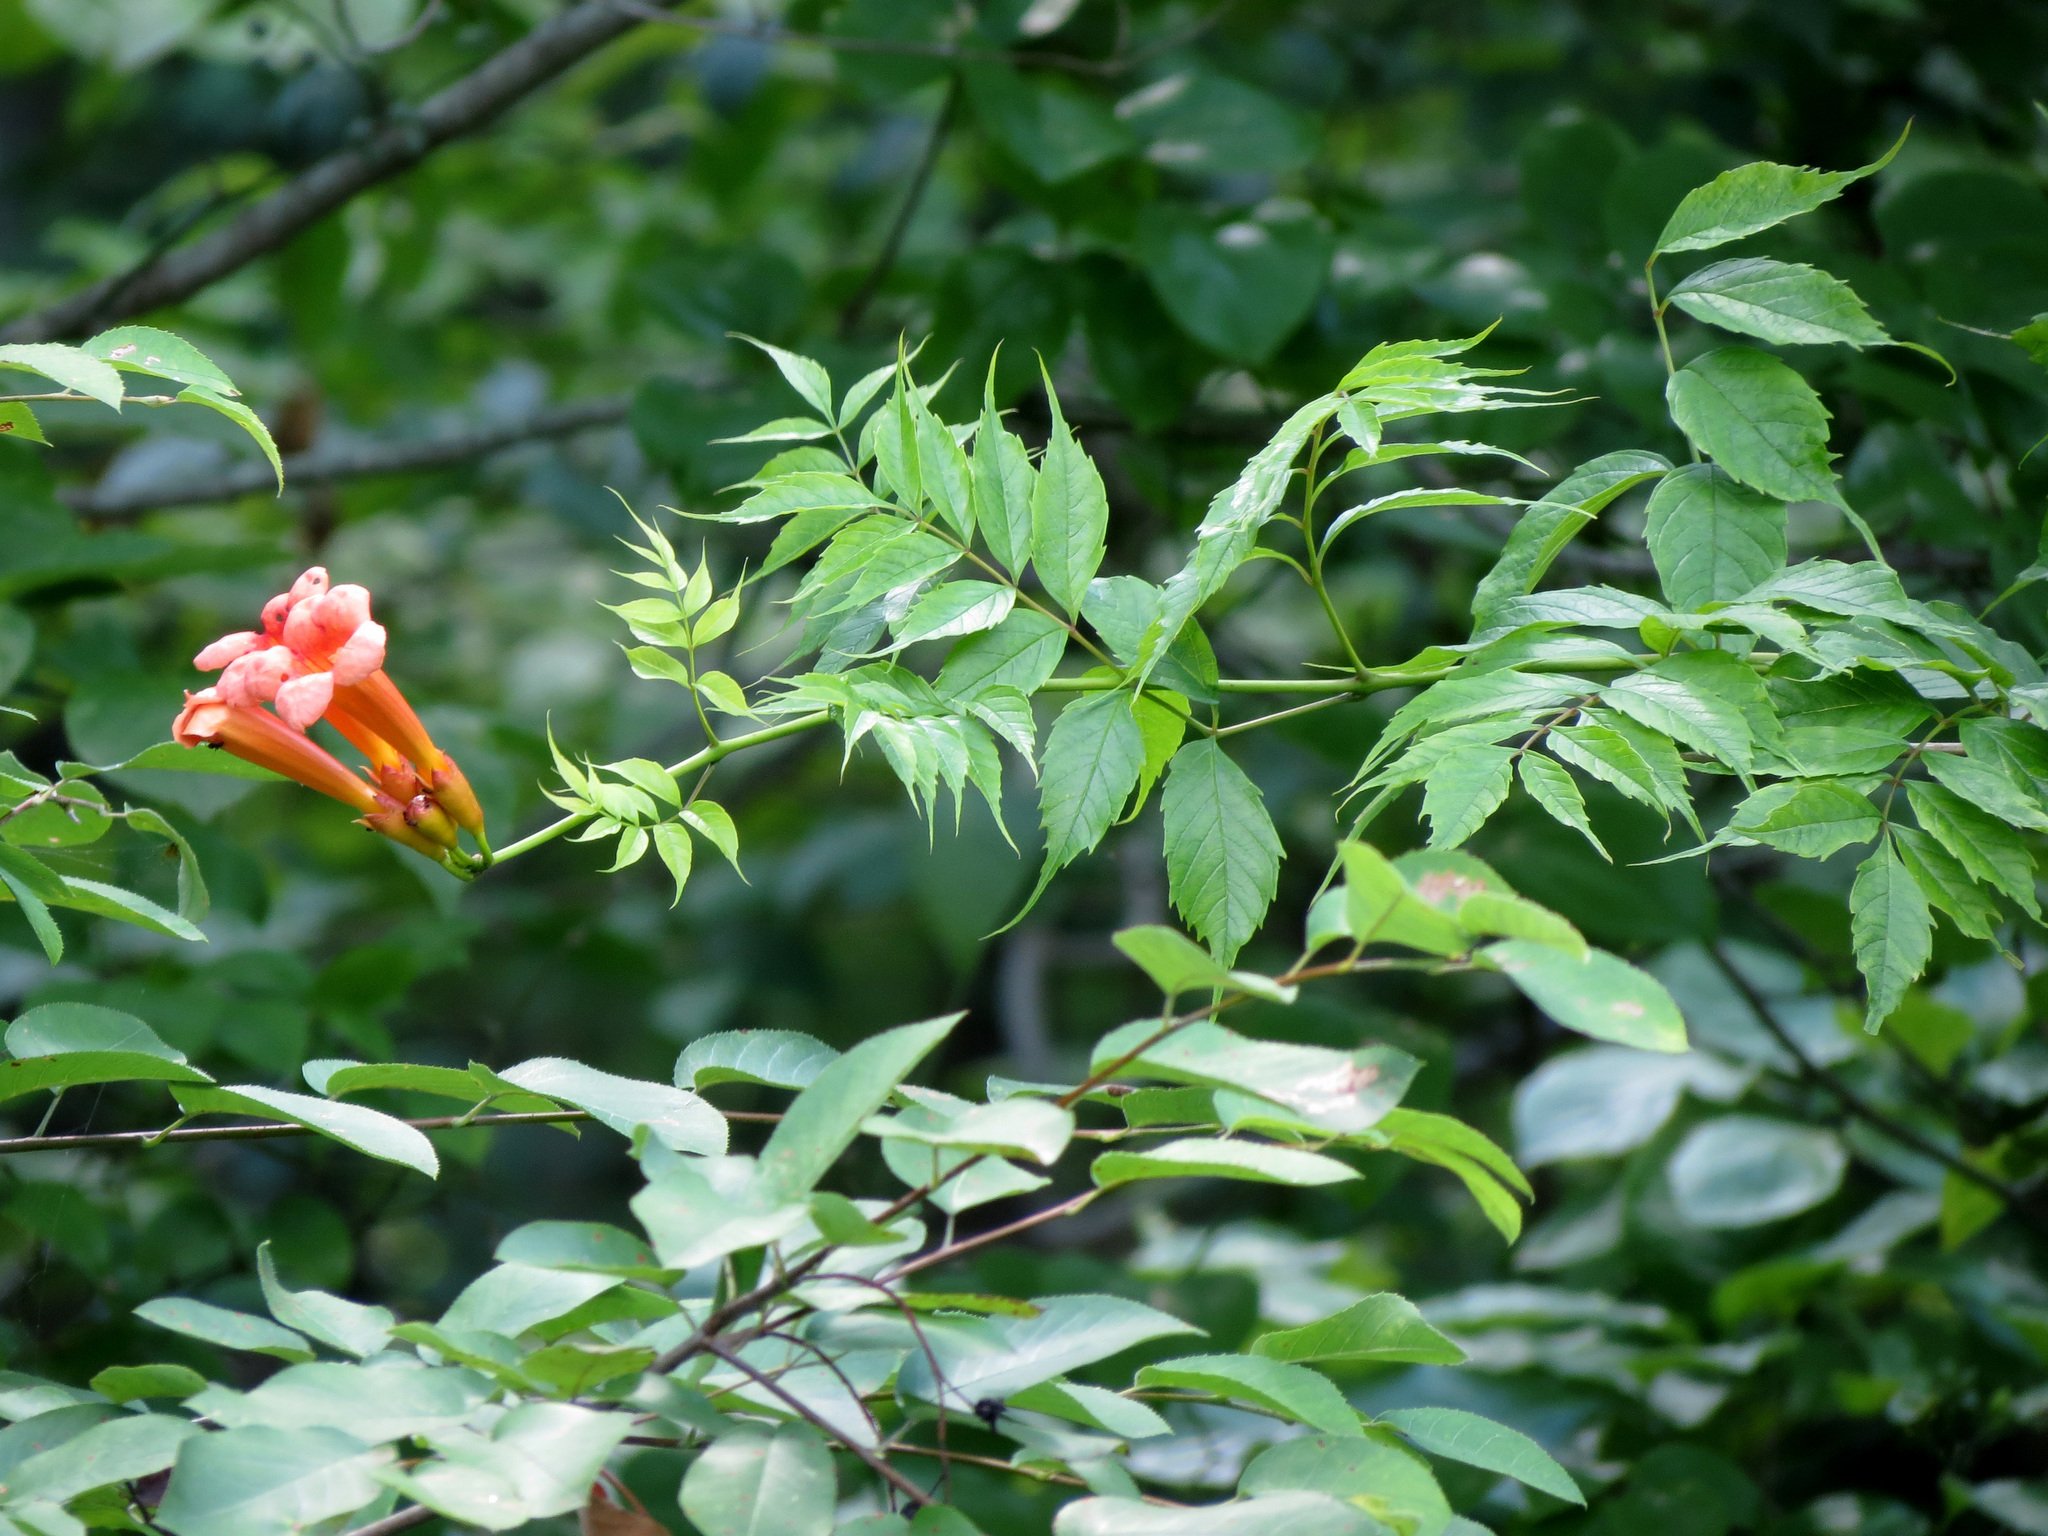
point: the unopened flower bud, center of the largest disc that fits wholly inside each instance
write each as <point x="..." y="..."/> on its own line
<point x="424" y="815"/>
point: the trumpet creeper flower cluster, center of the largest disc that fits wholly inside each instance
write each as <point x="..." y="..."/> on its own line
<point x="320" y="656"/>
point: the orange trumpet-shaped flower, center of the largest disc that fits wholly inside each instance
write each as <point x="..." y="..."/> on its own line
<point x="257" y="736"/>
<point x="321" y="655"/>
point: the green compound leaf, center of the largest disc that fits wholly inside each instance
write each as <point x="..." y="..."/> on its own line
<point x="1069" y="514"/>
<point x="1093" y="756"/>
<point x="1809" y="820"/>
<point x="1551" y="787"/>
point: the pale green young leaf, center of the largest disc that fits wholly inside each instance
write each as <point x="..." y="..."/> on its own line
<point x="71" y="367"/>
<point x="341" y="1325"/>
<point x="1222" y="854"/>
<point x="1069" y="514"/>
<point x="806" y="376"/>
<point x="258" y="1480"/>
<point x="715" y="823"/>
<point x="723" y="694"/>
<point x="774" y="1058"/>
<point x="1600" y="995"/>
<point x="1757" y="419"/>
<point x="826" y="1116"/>
<point x="1203" y="1158"/>
<point x="1809" y="819"/>
<point x="679" y="1119"/>
<point x="1458" y="1435"/>
<point x="716" y="621"/>
<point x="1754" y="197"/>
<point x="369" y="1132"/>
<point x="1463" y="791"/>
<point x="1712" y="538"/>
<point x="632" y="848"/>
<point x="1293" y="1391"/>
<point x="648" y="775"/>
<point x="1419" y="1131"/>
<point x="672" y="846"/>
<point x="1891" y="929"/>
<point x="783" y="429"/>
<point x="1553" y="788"/>
<point x="1384" y="1327"/>
<point x="219" y="1326"/>
<point x="241" y="416"/>
<point x="943" y="469"/>
<point x="1162" y="717"/>
<point x="1780" y="302"/>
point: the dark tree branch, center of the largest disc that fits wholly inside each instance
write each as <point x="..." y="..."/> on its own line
<point x="408" y="137"/>
<point x="857" y="306"/>
<point x="323" y="466"/>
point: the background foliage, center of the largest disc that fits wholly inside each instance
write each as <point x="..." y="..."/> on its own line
<point x="1196" y="235"/>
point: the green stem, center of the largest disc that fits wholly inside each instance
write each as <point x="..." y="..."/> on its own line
<point x="1315" y="557"/>
<point x="703" y="759"/>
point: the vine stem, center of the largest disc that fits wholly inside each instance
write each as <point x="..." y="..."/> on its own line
<point x="1854" y="1102"/>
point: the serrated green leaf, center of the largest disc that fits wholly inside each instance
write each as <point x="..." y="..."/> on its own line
<point x="1020" y="653"/>
<point x="1293" y="1391"/>
<point x="1712" y="538"/>
<point x="1754" y="197"/>
<point x="1892" y="931"/>
<point x="1551" y="787"/>
<point x="956" y="608"/>
<point x="1989" y="787"/>
<point x="1069" y="514"/>
<point x="1462" y="792"/>
<point x="1382" y="1327"/>
<point x="1222" y="854"/>
<point x="241" y="416"/>
<point x="1545" y="528"/>
<point x="1779" y="302"/>
<point x="145" y="349"/>
<point x="70" y="367"/>
<point x="1990" y="850"/>
<point x="1004" y="484"/>
<point x="723" y="694"/>
<point x="1758" y="420"/>
<point x="1946" y="884"/>
<point x="1479" y="1442"/>
<point x="19" y="422"/>
<point x="1810" y="819"/>
<point x="1091" y="762"/>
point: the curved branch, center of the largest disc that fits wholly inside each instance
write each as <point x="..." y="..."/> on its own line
<point x="323" y="466"/>
<point x="400" y="143"/>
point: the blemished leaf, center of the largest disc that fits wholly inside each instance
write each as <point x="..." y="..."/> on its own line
<point x="996" y="1356"/>
<point x="230" y="1330"/>
<point x="1891" y="928"/>
<point x="144" y="349"/>
<point x="1754" y="197"/>
<point x="1780" y="302"/>
<point x="368" y="1131"/>
<point x="1712" y="538"/>
<point x="19" y="422"/>
<point x="1341" y="1092"/>
<point x="826" y="1116"/>
<point x="1758" y="420"/>
<point x="1380" y="907"/>
<point x="258" y="1480"/>
<point x="1069" y="514"/>
<point x="1222" y="854"/>
<point x="1295" y="1391"/>
<point x="1744" y="1170"/>
<point x="1461" y="1436"/>
<point x="1810" y="820"/>
<point x="683" y="1122"/>
<point x="1599" y="995"/>
<point x="1382" y="1327"/>
<point x="757" y="1482"/>
<point x="774" y="1058"/>
<point x="1551" y="787"/>
<point x="1205" y="1158"/>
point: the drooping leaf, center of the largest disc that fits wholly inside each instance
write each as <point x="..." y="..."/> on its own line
<point x="774" y="1058"/>
<point x="1807" y="819"/>
<point x="1461" y="1436"/>
<point x="1004" y="485"/>
<point x="1222" y="854"/>
<point x="1092" y="760"/>
<point x="683" y="1121"/>
<point x="368" y="1131"/>
<point x="338" y="1323"/>
<point x="1551" y="787"/>
<point x="1891" y="929"/>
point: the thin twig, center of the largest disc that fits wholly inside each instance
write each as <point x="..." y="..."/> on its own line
<point x="857" y="306"/>
<point x="874" y="1463"/>
<point x="1853" y="1101"/>
<point x="407" y="138"/>
<point x="404" y="1520"/>
<point x="1066" y="1207"/>
<point x="324" y="466"/>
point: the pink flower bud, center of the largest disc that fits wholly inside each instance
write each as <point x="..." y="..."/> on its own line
<point x="228" y="648"/>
